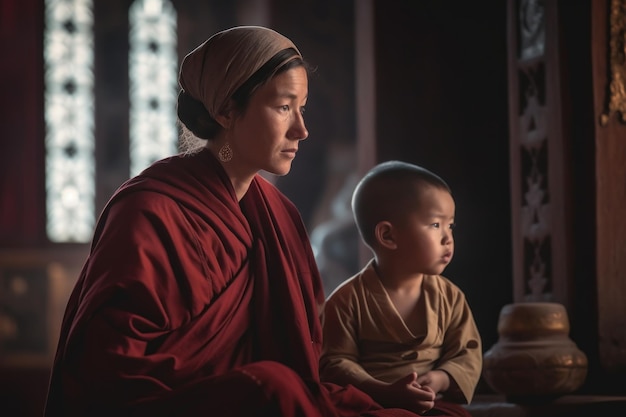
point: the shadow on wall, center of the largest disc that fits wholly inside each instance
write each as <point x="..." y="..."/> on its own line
<point x="335" y="241"/>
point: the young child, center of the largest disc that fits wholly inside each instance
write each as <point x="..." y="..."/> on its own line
<point x="398" y="330"/>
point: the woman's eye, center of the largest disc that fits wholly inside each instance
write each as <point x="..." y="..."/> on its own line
<point x="285" y="107"/>
<point x="302" y="110"/>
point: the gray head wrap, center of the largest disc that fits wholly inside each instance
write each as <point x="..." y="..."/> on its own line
<point x="213" y="71"/>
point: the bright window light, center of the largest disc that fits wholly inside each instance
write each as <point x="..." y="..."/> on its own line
<point x="69" y="118"/>
<point x="153" y="71"/>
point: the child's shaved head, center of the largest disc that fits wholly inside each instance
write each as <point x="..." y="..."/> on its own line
<point x="387" y="191"/>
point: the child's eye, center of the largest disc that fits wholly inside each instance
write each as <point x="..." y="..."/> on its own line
<point x="452" y="226"/>
<point x="435" y="225"/>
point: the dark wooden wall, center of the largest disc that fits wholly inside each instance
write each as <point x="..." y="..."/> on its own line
<point x="22" y="220"/>
<point x="440" y="94"/>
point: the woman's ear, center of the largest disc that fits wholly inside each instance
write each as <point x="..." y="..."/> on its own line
<point x="226" y="116"/>
<point x="384" y="234"/>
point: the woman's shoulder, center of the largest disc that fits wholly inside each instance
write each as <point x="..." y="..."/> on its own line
<point x="270" y="189"/>
<point x="144" y="200"/>
<point x="277" y="199"/>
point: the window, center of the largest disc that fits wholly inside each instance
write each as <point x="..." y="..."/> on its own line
<point x="153" y="71"/>
<point x="69" y="103"/>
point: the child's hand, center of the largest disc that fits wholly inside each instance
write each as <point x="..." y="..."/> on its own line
<point x="437" y="380"/>
<point x="409" y="394"/>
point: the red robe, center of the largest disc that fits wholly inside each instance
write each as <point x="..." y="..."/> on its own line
<point x="194" y="304"/>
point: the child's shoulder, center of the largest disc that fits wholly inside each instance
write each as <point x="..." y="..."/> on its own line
<point x="355" y="289"/>
<point x="346" y="288"/>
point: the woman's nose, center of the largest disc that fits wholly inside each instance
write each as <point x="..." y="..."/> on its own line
<point x="298" y="129"/>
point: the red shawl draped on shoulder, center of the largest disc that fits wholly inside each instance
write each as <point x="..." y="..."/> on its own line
<point x="192" y="303"/>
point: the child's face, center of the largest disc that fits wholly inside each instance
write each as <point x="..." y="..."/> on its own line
<point x="425" y="244"/>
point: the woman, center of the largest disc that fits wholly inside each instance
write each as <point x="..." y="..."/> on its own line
<point x="200" y="295"/>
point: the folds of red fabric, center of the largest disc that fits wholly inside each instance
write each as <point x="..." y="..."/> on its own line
<point x="192" y="303"/>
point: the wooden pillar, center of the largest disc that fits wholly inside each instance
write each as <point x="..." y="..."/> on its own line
<point x="365" y="96"/>
<point x="609" y="77"/>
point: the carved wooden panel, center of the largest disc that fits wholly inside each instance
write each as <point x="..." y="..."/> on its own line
<point x="568" y="188"/>
<point x="539" y="188"/>
<point x="616" y="99"/>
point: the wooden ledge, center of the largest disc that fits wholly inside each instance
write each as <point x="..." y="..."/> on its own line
<point x="566" y="406"/>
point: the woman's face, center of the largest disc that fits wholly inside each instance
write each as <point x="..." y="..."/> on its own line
<point x="266" y="136"/>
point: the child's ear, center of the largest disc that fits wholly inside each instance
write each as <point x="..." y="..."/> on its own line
<point x="227" y="115"/>
<point x="384" y="235"/>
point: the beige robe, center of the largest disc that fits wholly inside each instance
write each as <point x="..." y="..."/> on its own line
<point x="364" y="334"/>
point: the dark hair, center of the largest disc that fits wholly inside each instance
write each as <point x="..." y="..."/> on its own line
<point x="386" y="191"/>
<point x="197" y="119"/>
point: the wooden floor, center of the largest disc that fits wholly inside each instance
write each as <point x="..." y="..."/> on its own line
<point x="22" y="394"/>
<point x="567" y="406"/>
<point x="23" y="391"/>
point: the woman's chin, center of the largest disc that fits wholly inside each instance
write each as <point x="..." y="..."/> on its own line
<point x="281" y="170"/>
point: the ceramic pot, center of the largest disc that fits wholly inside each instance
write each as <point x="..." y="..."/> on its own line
<point x="534" y="360"/>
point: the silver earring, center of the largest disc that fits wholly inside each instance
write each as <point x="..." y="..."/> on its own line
<point x="225" y="153"/>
